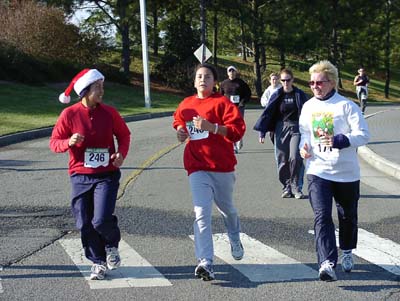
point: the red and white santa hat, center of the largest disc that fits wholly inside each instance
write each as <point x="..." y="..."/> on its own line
<point x="81" y="81"/>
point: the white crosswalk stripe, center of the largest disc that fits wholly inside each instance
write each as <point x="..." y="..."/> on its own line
<point x="135" y="271"/>
<point x="377" y="250"/>
<point x="261" y="263"/>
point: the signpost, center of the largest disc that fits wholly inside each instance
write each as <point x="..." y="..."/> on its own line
<point x="146" y="74"/>
<point x="202" y="53"/>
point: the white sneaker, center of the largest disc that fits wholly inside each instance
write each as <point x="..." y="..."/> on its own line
<point x="204" y="271"/>
<point x="98" y="271"/>
<point x="113" y="258"/>
<point x="237" y="250"/>
<point x="347" y="262"/>
<point x="327" y="272"/>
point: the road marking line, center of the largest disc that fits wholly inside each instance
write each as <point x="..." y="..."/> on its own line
<point x="134" y="271"/>
<point x="261" y="263"/>
<point x="375" y="249"/>
<point x="148" y="162"/>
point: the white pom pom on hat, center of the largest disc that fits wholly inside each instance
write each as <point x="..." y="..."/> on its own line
<point x="81" y="81"/>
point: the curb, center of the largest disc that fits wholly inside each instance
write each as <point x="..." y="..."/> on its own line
<point x="376" y="161"/>
<point x="46" y="132"/>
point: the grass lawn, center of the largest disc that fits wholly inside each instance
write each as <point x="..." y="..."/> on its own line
<point x="26" y="107"/>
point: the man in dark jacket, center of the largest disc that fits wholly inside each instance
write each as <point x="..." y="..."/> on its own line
<point x="238" y="93"/>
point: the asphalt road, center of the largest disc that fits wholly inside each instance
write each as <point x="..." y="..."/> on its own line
<point x="155" y="214"/>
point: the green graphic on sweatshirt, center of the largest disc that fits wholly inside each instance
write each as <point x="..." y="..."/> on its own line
<point x="322" y="124"/>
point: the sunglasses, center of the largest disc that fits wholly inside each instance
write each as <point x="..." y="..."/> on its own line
<point x="286" y="79"/>
<point x="318" y="83"/>
<point x="231" y="70"/>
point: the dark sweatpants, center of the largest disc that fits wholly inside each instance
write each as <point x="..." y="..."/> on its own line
<point x="346" y="195"/>
<point x="287" y="154"/>
<point x="93" y="205"/>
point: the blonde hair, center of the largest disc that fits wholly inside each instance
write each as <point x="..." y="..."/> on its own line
<point x="329" y="70"/>
<point x="274" y="74"/>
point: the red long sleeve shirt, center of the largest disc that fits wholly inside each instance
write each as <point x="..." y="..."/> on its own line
<point x="214" y="152"/>
<point x="99" y="126"/>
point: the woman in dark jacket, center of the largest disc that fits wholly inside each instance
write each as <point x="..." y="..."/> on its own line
<point x="281" y="118"/>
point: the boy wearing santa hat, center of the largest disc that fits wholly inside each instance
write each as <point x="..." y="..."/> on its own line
<point x="87" y="130"/>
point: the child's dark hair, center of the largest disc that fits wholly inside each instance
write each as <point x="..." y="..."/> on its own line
<point x="209" y="67"/>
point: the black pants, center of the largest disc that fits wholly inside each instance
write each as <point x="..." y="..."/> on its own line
<point x="362" y="98"/>
<point x="346" y="195"/>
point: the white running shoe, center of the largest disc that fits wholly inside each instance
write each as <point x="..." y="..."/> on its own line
<point x="204" y="270"/>
<point x="347" y="262"/>
<point x="98" y="271"/>
<point x="113" y="258"/>
<point x="327" y="271"/>
<point x="237" y="250"/>
<point x="298" y="194"/>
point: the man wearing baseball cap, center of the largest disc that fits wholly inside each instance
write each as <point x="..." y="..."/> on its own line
<point x="87" y="130"/>
<point x="238" y="93"/>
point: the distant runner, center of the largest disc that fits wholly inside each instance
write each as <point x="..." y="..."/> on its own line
<point x="238" y="93"/>
<point x="361" y="82"/>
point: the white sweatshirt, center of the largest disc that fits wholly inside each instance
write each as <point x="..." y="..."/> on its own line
<point x="267" y="94"/>
<point x="336" y="115"/>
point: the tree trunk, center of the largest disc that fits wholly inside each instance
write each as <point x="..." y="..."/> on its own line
<point x="126" y="52"/>
<point x="244" y="50"/>
<point x="203" y="21"/>
<point x="334" y="54"/>
<point x="156" y="39"/>
<point x="256" y="46"/>
<point x="387" y="49"/>
<point x="282" y="58"/>
<point x="215" y="37"/>
<point x="257" y="71"/>
<point x="263" y="59"/>
<point x="124" y="25"/>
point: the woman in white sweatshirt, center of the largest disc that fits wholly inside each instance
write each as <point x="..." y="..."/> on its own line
<point x="274" y="85"/>
<point x="331" y="128"/>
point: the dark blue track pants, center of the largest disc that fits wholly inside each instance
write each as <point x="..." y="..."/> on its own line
<point x="93" y="205"/>
<point x="346" y="195"/>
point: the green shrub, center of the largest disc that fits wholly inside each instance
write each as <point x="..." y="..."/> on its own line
<point x="36" y="45"/>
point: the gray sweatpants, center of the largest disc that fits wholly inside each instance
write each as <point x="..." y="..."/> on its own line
<point x="287" y="139"/>
<point x="206" y="187"/>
